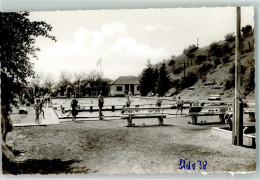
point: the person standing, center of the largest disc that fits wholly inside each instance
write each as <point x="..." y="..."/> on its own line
<point x="128" y="100"/>
<point x="158" y="100"/>
<point x="74" y="112"/>
<point x="37" y="108"/>
<point x="41" y="108"/>
<point x="179" y="105"/>
<point x="100" y="105"/>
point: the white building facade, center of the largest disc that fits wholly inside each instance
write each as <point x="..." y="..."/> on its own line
<point x="125" y="84"/>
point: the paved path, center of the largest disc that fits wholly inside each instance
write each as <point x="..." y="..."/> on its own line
<point x="20" y="120"/>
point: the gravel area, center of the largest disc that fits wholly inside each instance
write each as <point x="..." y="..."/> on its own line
<point x="109" y="147"/>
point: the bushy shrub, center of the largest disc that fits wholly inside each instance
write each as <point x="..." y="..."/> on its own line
<point x="230" y="83"/>
<point x="177" y="71"/>
<point x="189" y="80"/>
<point x="226" y="50"/>
<point x="246" y="30"/>
<point x="177" y="84"/>
<point x="230" y="37"/>
<point x="232" y="69"/>
<point x="216" y="62"/>
<point x="216" y="50"/>
<point x="225" y="59"/>
<point x="201" y="59"/>
<point x="250" y="82"/>
<point x="243" y="69"/>
<point x="190" y="51"/>
<point x="205" y="68"/>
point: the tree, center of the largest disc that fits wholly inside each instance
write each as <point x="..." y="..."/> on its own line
<point x="65" y="83"/>
<point x="18" y="35"/>
<point x="246" y="30"/>
<point x="164" y="83"/>
<point x="230" y="37"/>
<point x="200" y="59"/>
<point x="147" y="80"/>
<point x="216" y="50"/>
<point x="156" y="77"/>
<point x="172" y="64"/>
<point x="48" y="82"/>
<point x="190" y="52"/>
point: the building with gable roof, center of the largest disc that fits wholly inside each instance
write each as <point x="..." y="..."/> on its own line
<point x="124" y="84"/>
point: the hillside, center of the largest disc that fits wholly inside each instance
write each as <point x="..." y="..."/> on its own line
<point x="213" y="69"/>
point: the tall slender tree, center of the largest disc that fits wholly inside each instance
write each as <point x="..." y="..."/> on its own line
<point x="164" y="82"/>
<point x="147" y="80"/>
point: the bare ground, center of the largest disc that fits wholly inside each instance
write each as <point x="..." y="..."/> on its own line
<point x="108" y="147"/>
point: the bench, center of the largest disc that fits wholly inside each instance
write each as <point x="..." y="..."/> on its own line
<point x="196" y="111"/>
<point x="136" y="113"/>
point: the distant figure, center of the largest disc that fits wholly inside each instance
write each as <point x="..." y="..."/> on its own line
<point x="37" y="108"/>
<point x="48" y="99"/>
<point x="74" y="112"/>
<point x="123" y="110"/>
<point x="62" y="109"/>
<point x="100" y="104"/>
<point x="179" y="105"/>
<point x="196" y="102"/>
<point x="128" y="100"/>
<point x="158" y="100"/>
<point x="41" y="108"/>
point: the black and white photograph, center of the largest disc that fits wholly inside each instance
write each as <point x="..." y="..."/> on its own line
<point x="128" y="91"/>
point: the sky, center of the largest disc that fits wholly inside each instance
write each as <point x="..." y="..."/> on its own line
<point x="125" y="39"/>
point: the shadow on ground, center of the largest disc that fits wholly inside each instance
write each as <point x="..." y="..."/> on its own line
<point x="34" y="166"/>
<point x="146" y="126"/>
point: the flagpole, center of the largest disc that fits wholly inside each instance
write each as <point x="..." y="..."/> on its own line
<point x="100" y="73"/>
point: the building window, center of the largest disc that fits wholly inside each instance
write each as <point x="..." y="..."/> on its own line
<point x="137" y="88"/>
<point x="119" y="88"/>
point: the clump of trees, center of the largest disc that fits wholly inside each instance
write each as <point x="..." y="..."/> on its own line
<point x="200" y="59"/>
<point x="81" y="84"/>
<point x="190" y="52"/>
<point x="154" y="81"/>
<point x="172" y="63"/>
<point x="220" y="52"/>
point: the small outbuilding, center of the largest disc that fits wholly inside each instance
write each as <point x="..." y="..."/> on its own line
<point x="125" y="84"/>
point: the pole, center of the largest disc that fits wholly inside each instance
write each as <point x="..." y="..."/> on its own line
<point x="237" y="131"/>
<point x="100" y="75"/>
<point x="184" y="69"/>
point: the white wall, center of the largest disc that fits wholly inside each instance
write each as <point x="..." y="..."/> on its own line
<point x="114" y="92"/>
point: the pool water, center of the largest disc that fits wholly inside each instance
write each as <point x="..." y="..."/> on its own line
<point x="117" y="102"/>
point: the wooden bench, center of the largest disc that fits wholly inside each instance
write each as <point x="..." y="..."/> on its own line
<point x="136" y="113"/>
<point x="196" y="111"/>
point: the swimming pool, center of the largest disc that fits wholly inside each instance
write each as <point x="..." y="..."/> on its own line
<point x="89" y="106"/>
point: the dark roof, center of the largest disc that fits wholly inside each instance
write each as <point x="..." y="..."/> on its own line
<point x="126" y="80"/>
